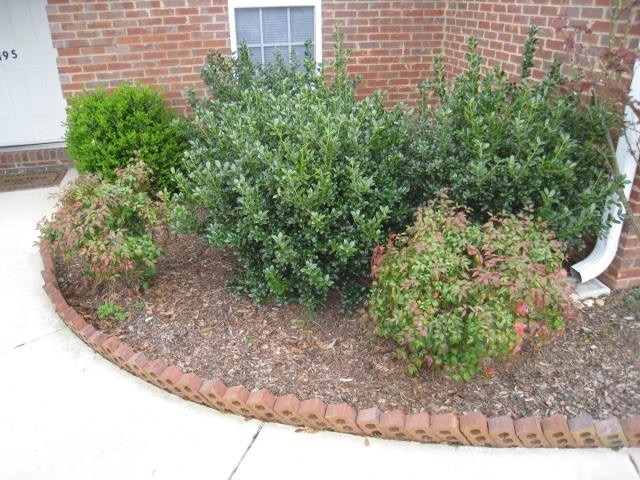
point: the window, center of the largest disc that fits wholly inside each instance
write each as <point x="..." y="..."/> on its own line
<point x="274" y="26"/>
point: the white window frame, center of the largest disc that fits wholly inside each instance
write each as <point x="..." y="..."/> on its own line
<point x="317" y="12"/>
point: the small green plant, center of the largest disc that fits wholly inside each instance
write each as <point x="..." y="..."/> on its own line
<point x="110" y="311"/>
<point x="113" y="229"/>
<point x="458" y="295"/>
<point x="105" y="130"/>
<point x="294" y="174"/>
<point x="633" y="297"/>
<point x="503" y="146"/>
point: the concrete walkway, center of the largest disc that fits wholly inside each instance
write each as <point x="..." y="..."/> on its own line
<point x="67" y="413"/>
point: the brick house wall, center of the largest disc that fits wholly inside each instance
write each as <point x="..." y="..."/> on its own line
<point x="163" y="43"/>
<point x="624" y="271"/>
<point x="574" y="31"/>
<point x="159" y="43"/>
<point x="394" y="43"/>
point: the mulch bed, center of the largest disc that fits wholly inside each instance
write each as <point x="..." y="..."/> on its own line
<point x="189" y="318"/>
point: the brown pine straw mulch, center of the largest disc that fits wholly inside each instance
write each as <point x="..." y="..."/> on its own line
<point x="189" y="318"/>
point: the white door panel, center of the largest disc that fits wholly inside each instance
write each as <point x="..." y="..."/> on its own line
<point x="32" y="108"/>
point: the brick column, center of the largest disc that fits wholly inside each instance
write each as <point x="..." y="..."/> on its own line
<point x="624" y="272"/>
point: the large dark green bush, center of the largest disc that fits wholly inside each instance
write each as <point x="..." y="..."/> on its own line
<point x="105" y="130"/>
<point x="458" y="295"/>
<point x="500" y="145"/>
<point x="113" y="229"/>
<point x="295" y="175"/>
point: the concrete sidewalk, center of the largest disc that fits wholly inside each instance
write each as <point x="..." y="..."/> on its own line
<point x="67" y="413"/>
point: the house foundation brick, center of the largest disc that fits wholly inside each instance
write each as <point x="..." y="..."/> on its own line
<point x="34" y="156"/>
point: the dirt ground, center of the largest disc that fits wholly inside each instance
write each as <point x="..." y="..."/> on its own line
<point x="188" y="317"/>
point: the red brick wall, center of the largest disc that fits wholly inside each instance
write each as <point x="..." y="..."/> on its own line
<point x="164" y="43"/>
<point x="570" y="30"/>
<point x="624" y="271"/>
<point x="21" y="157"/>
<point x="159" y="43"/>
<point x="394" y="42"/>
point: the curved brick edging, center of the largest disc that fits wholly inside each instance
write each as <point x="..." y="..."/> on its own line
<point x="468" y="429"/>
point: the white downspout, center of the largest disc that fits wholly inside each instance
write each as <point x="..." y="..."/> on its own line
<point x="627" y="153"/>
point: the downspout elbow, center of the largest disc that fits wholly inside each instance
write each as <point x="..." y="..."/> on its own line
<point x="627" y="153"/>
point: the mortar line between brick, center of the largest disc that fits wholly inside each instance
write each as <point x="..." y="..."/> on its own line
<point x="635" y="465"/>
<point x="246" y="451"/>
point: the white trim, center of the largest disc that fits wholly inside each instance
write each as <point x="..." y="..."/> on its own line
<point x="317" y="18"/>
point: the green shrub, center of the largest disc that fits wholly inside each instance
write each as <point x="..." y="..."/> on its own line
<point x="502" y="146"/>
<point x="457" y="294"/>
<point x="105" y="130"/>
<point x="294" y="174"/>
<point x="113" y="229"/>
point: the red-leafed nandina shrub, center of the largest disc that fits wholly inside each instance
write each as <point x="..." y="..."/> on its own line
<point x="113" y="229"/>
<point x="458" y="295"/>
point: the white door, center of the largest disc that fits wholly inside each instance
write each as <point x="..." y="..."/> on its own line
<point x="32" y="108"/>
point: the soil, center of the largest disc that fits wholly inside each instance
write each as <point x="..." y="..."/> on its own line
<point x="189" y="318"/>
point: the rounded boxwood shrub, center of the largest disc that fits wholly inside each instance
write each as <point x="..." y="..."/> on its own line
<point x="105" y="130"/>
<point x="295" y="175"/>
<point x="457" y="295"/>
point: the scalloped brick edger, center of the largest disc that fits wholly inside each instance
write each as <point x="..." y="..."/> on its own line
<point x="468" y="429"/>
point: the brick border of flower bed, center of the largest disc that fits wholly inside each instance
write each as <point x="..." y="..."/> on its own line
<point x="472" y="428"/>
